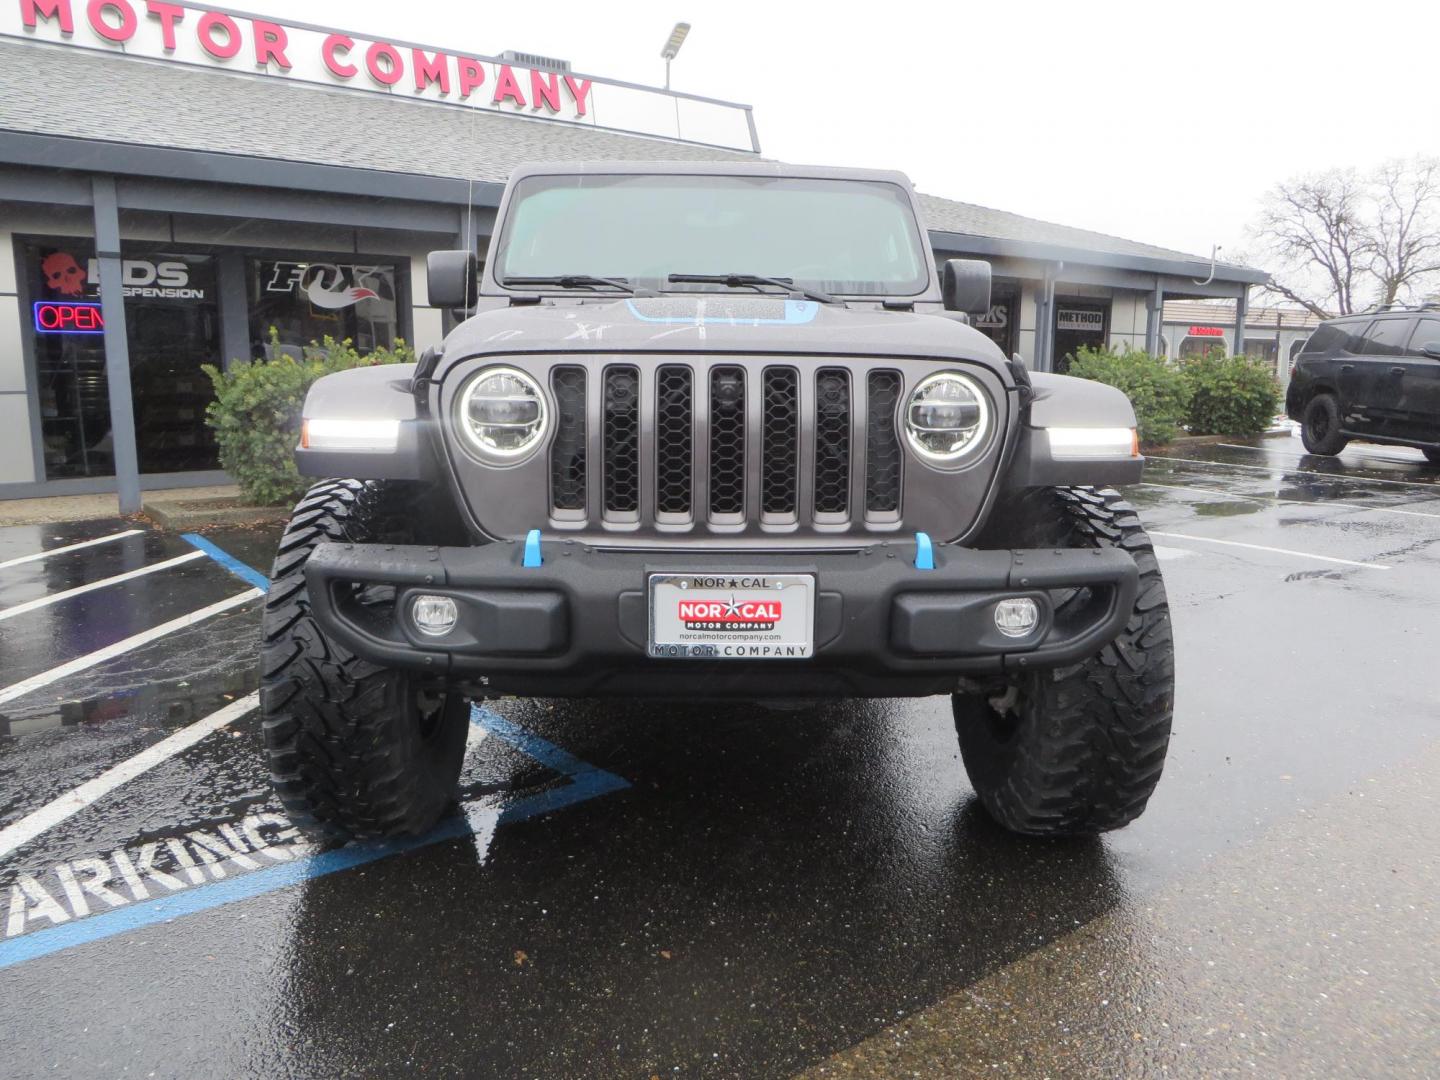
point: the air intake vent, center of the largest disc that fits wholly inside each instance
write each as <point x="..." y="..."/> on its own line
<point x="882" y="445"/>
<point x="567" y="453"/>
<point x="832" y="441"/>
<point x="727" y="441"/>
<point x="674" y="439"/>
<point x="780" y="451"/>
<point x="622" y="441"/>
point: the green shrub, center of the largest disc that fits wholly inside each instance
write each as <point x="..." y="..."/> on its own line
<point x="256" y="412"/>
<point x="1230" y="395"/>
<point x="1158" y="391"/>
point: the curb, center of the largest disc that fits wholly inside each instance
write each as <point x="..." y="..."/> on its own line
<point x="1195" y="440"/>
<point x="188" y="517"/>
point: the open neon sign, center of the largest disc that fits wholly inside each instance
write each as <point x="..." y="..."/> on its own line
<point x="54" y="317"/>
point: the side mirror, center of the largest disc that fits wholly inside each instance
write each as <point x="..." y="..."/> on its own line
<point x="1431" y="349"/>
<point x="452" y="278"/>
<point x="965" y="285"/>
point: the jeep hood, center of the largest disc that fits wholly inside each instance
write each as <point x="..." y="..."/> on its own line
<point x="715" y="323"/>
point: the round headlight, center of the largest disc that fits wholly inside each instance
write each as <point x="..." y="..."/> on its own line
<point x="502" y="412"/>
<point x="947" y="417"/>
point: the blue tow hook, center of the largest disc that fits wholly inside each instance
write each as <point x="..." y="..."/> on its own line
<point x="924" y="552"/>
<point x="532" y="550"/>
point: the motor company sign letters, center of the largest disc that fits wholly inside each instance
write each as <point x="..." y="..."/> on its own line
<point x="164" y="30"/>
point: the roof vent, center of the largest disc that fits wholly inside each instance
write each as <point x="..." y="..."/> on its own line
<point x="534" y="60"/>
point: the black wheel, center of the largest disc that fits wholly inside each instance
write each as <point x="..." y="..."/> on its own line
<point x="1432" y="456"/>
<point x="1079" y="749"/>
<point x="356" y="750"/>
<point x="1320" y="430"/>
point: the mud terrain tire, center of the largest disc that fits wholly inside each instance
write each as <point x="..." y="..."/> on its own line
<point x="356" y="751"/>
<point x="1078" y="749"/>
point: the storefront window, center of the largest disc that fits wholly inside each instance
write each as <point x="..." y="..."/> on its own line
<point x="67" y="332"/>
<point x="172" y="327"/>
<point x="307" y="301"/>
<point x="1262" y="349"/>
<point x="998" y="324"/>
<point x="1078" y="325"/>
<point x="172" y="316"/>
<point x="1193" y="347"/>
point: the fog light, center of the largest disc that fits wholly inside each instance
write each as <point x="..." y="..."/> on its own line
<point x="1016" y="617"/>
<point x="435" y="615"/>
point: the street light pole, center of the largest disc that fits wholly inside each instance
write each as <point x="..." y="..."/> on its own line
<point x="672" y="47"/>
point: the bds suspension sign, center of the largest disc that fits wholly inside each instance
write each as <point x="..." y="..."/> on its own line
<point x="216" y="38"/>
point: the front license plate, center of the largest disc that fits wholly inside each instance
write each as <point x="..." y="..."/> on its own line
<point x="732" y="616"/>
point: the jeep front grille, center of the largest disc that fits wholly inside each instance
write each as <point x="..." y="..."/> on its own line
<point x="780" y="446"/>
<point x="727" y="446"/>
<point x="621" y="441"/>
<point x="674" y="440"/>
<point x="567" y="453"/>
<point x="882" y="445"/>
<point x="727" y="443"/>
<point x="832" y="443"/>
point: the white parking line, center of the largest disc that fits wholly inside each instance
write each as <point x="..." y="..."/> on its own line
<point x="55" y="598"/>
<point x="70" y="547"/>
<point x="1172" y="553"/>
<point x="1307" y="472"/>
<point x="1274" y="550"/>
<point x="99" y="656"/>
<point x="1289" y="502"/>
<point x="73" y="801"/>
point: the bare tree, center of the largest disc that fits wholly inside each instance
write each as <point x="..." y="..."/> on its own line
<point x="1338" y="242"/>
<point x="1404" y="246"/>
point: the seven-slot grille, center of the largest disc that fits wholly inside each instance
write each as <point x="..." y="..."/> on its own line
<point x="727" y="443"/>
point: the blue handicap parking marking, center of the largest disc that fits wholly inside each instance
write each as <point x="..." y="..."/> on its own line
<point x="229" y="562"/>
<point x="259" y="854"/>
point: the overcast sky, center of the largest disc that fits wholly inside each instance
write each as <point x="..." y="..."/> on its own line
<point x="1155" y="121"/>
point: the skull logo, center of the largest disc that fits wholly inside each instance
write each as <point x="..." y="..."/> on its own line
<point x="63" y="274"/>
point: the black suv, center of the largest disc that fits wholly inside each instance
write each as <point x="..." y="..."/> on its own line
<point x="1374" y="377"/>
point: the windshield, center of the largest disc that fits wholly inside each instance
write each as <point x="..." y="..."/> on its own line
<point x="851" y="237"/>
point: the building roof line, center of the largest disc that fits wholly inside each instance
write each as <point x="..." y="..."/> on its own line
<point x="1045" y="251"/>
<point x="1155" y="251"/>
<point x="76" y="154"/>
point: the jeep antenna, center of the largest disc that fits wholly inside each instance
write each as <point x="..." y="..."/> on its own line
<point x="1214" y="251"/>
<point x="672" y="47"/>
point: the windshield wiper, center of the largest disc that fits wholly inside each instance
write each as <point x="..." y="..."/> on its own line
<point x="571" y="281"/>
<point x="740" y="281"/>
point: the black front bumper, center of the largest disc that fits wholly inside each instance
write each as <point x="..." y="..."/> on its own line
<point x="578" y="625"/>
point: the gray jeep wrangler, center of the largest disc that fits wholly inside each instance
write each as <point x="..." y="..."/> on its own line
<point x="714" y="430"/>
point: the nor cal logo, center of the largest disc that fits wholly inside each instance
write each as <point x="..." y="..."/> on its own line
<point x="729" y="614"/>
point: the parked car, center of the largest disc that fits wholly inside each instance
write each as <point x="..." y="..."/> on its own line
<point x="714" y="431"/>
<point x="1374" y="377"/>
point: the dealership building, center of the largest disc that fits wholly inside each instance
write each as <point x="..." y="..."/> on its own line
<point x="184" y="185"/>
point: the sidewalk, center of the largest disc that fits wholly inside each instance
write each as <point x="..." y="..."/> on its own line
<point x="60" y="508"/>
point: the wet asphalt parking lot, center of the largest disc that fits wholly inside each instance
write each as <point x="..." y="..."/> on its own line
<point x="689" y="889"/>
